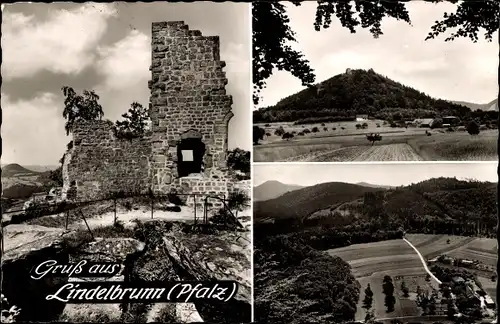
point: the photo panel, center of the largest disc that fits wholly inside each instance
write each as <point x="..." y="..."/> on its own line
<point x="375" y="243"/>
<point x="126" y="185"/>
<point x="411" y="81"/>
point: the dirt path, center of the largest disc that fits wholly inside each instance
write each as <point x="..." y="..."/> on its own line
<point x="390" y="152"/>
<point x="423" y="262"/>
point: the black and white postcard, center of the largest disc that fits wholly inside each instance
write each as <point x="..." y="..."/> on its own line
<point x="126" y="163"/>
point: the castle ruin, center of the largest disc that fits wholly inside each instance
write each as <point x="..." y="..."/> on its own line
<point x="185" y="151"/>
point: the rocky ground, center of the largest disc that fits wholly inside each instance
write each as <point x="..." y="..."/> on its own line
<point x="158" y="249"/>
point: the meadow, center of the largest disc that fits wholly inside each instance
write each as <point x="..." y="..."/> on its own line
<point x="372" y="261"/>
<point x="483" y="250"/>
<point x="343" y="141"/>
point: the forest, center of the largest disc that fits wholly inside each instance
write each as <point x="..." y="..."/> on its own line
<point x="294" y="275"/>
<point x="346" y="95"/>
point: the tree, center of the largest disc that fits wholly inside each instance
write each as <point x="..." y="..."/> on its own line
<point x="315" y="129"/>
<point x="272" y="34"/>
<point x="405" y="290"/>
<point x="134" y="121"/>
<point x="80" y="107"/>
<point x="450" y="309"/>
<point x="388" y="289"/>
<point x="369" y="316"/>
<point x="279" y="131"/>
<point x="473" y="127"/>
<point x="287" y="136"/>
<point x="238" y="200"/>
<point x="258" y="134"/>
<point x="367" y="302"/>
<point x="239" y="159"/>
<point x="389" y="302"/>
<point x="436" y="123"/>
<point x="373" y="138"/>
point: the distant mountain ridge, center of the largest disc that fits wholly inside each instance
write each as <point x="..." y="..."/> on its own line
<point x="490" y="106"/>
<point x="359" y="92"/>
<point x="14" y="169"/>
<point x="370" y="185"/>
<point x="436" y="197"/>
<point x="272" y="189"/>
<point x="19" y="182"/>
<point x="302" y="202"/>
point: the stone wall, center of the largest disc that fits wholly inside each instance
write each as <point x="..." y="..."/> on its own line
<point x="100" y="164"/>
<point x="188" y="95"/>
<point x="188" y="98"/>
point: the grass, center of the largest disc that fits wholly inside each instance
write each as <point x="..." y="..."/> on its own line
<point x="372" y="261"/>
<point x="455" y="146"/>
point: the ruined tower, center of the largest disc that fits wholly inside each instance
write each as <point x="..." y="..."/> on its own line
<point x="189" y="110"/>
<point x="186" y="148"/>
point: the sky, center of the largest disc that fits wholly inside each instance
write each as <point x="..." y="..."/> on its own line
<point x="388" y="174"/>
<point x="460" y="70"/>
<point x="107" y="48"/>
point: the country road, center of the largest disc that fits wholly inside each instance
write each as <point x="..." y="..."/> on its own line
<point x="423" y="261"/>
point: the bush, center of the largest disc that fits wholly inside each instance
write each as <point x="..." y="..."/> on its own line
<point x="334" y="128"/>
<point x="473" y="127"/>
<point x="279" y="131"/>
<point x="239" y="159"/>
<point x="306" y="131"/>
<point x="436" y="123"/>
<point x="325" y="129"/>
<point x="300" y="134"/>
<point x="315" y="129"/>
<point x="258" y="134"/>
<point x="287" y="136"/>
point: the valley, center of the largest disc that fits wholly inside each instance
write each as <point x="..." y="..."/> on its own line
<point x="406" y="247"/>
<point x="332" y="122"/>
<point x="350" y="144"/>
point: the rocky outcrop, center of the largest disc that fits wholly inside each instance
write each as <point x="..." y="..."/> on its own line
<point x="26" y="246"/>
<point x="222" y="256"/>
<point x="117" y="250"/>
<point x="159" y="251"/>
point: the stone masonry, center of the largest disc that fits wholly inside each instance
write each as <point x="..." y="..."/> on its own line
<point x="188" y="101"/>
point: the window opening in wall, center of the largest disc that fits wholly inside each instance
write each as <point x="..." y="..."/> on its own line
<point x="190" y="153"/>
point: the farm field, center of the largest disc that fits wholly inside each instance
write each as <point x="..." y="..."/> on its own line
<point x="350" y="144"/>
<point x="482" y="249"/>
<point x="372" y="261"/>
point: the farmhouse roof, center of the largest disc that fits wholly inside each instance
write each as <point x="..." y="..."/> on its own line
<point x="488" y="300"/>
<point x="451" y="117"/>
<point x="458" y="279"/>
<point x="423" y="120"/>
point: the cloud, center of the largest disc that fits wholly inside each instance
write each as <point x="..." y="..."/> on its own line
<point x="34" y="129"/>
<point x="62" y="44"/>
<point x="125" y="63"/>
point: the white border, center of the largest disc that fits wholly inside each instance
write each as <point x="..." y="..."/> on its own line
<point x="373" y="162"/>
<point x="250" y="112"/>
